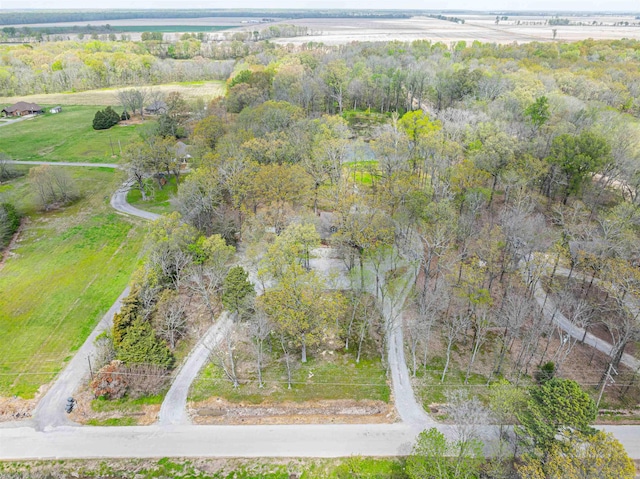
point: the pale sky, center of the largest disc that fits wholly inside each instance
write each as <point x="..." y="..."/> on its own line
<point x="553" y="5"/>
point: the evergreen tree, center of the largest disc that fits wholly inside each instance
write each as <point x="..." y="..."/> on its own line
<point x="142" y="346"/>
<point x="237" y="289"/>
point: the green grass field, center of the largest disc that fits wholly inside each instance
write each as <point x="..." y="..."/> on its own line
<point x="66" y="136"/>
<point x="336" y="378"/>
<point x="160" y="201"/>
<point x="69" y="267"/>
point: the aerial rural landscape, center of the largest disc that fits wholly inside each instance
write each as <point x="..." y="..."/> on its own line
<point x="323" y="243"/>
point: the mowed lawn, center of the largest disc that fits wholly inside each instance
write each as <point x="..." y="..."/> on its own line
<point x="69" y="268"/>
<point x="320" y="378"/>
<point x="66" y="136"/>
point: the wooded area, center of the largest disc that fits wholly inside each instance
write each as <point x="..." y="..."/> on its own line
<point x="466" y="186"/>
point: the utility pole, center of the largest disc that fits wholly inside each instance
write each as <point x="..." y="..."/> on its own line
<point x="606" y="381"/>
<point x="90" y="368"/>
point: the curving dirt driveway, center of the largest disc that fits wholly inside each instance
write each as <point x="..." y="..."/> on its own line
<point x="174" y="407"/>
<point x="554" y="314"/>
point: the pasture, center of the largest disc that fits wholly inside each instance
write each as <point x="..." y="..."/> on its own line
<point x="66" y="136"/>
<point x="108" y="96"/>
<point x="66" y="270"/>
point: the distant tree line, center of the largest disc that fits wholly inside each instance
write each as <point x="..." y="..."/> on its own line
<point x="19" y="17"/>
<point x="448" y="19"/>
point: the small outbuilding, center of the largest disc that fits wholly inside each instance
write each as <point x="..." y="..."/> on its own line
<point x="22" y="108"/>
<point x="182" y="154"/>
<point x="55" y="109"/>
<point x="156" y="108"/>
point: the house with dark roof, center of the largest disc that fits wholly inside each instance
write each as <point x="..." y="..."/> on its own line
<point x="22" y="108"/>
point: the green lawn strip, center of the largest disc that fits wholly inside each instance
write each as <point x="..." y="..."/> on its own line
<point x="336" y="377"/>
<point x="338" y="468"/>
<point x="429" y="390"/>
<point x="160" y="200"/>
<point x="125" y="405"/>
<point x="70" y="266"/>
<point x="113" y="421"/>
<point x="355" y="466"/>
<point x="66" y="136"/>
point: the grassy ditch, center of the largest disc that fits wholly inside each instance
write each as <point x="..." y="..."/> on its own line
<point x="382" y="468"/>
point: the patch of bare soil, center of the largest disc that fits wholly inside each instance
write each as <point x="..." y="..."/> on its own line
<point x="134" y="120"/>
<point x="83" y="413"/>
<point x="219" y="411"/>
<point x="15" y="408"/>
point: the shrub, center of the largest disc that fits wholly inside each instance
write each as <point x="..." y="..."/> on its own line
<point x="111" y="381"/>
<point x="545" y="372"/>
<point x="105" y="119"/>
<point x="9" y="222"/>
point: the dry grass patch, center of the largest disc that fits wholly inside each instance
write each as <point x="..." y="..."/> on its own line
<point x="108" y="96"/>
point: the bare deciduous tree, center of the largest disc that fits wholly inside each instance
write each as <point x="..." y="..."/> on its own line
<point x="51" y="185"/>
<point x="7" y="171"/>
<point x="171" y="317"/>
<point x="453" y="328"/>
<point x="468" y="414"/>
<point x="259" y="328"/>
<point x="224" y="355"/>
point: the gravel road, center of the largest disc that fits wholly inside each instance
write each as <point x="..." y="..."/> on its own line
<point x="173" y="410"/>
<point x="119" y="203"/>
<point x="552" y="312"/>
